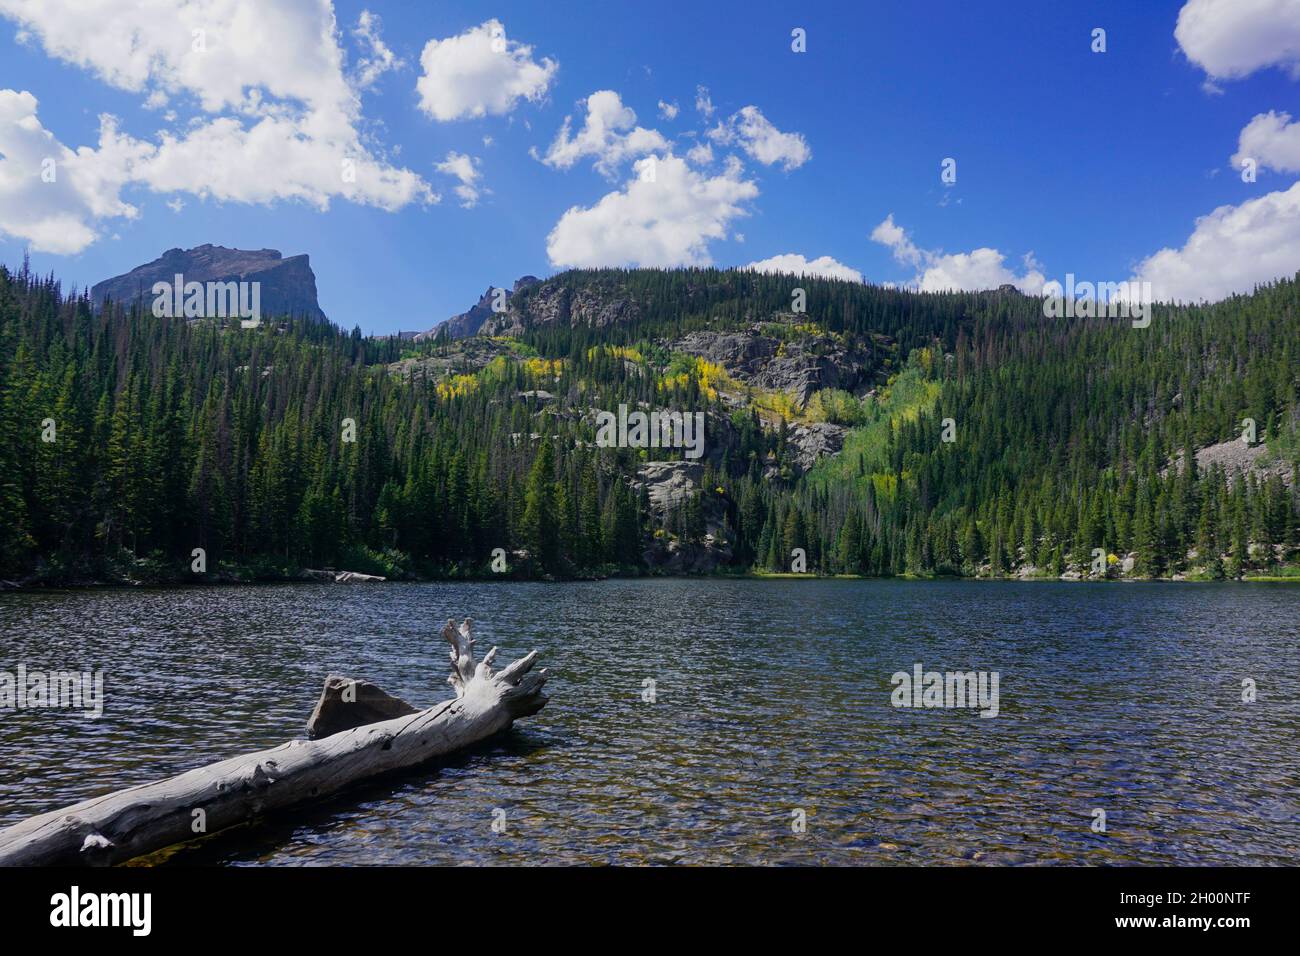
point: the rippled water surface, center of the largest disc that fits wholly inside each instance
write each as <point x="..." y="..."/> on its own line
<point x="771" y="697"/>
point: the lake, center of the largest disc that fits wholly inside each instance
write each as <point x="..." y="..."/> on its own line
<point x="772" y="707"/>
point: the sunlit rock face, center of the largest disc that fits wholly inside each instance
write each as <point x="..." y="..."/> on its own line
<point x="288" y="286"/>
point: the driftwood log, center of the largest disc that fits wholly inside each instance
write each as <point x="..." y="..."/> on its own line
<point x="143" y="819"/>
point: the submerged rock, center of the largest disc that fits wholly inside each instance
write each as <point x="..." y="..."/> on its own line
<point x="346" y="703"/>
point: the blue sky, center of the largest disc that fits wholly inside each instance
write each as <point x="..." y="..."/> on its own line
<point x="1091" y="163"/>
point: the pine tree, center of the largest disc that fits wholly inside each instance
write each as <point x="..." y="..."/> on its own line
<point x="591" y="542"/>
<point x="541" y="511"/>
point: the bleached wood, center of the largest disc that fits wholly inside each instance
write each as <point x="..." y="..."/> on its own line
<point x="129" y="823"/>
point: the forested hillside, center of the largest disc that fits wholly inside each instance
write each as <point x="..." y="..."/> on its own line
<point x="128" y="441"/>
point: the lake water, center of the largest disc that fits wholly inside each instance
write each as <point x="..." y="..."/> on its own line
<point x="771" y="697"/>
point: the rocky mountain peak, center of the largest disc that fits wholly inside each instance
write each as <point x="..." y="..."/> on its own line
<point x="288" y="286"/>
<point x="472" y="321"/>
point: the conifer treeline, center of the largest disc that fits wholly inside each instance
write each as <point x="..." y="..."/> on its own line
<point x="1067" y="439"/>
<point x="126" y="439"/>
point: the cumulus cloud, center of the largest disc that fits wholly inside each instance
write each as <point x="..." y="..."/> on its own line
<point x="480" y="73"/>
<point x="703" y="102"/>
<point x="377" y="59"/>
<point x="982" y="268"/>
<point x="274" y="160"/>
<point x="464" y="168"/>
<point x="1234" y="38"/>
<point x="609" y="133"/>
<point x="283" y="120"/>
<point x="668" y="110"/>
<point x="665" y="215"/>
<point x="1272" y="140"/>
<point x="209" y="50"/>
<point x="1231" y="250"/>
<point x="890" y="234"/>
<point x="52" y="196"/>
<point x="794" y="264"/>
<point x="973" y="271"/>
<point x="752" y="132"/>
<point x="701" y="154"/>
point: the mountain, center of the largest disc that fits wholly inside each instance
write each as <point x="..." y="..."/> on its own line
<point x="288" y="286"/>
<point x="471" y="321"/>
<point x="835" y="427"/>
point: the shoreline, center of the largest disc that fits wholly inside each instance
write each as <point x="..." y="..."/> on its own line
<point x="232" y="580"/>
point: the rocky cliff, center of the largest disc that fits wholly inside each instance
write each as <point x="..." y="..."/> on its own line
<point x="472" y="321"/>
<point x="287" y="286"/>
<point x="800" y="366"/>
<point x="560" y="303"/>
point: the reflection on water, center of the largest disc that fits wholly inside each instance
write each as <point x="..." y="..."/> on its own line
<point x="771" y="697"/>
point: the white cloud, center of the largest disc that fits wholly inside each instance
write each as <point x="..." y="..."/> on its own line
<point x="888" y="233"/>
<point x="1234" y="38"/>
<point x="978" y="269"/>
<point x="664" y="221"/>
<point x="1272" y="140"/>
<point x="273" y="68"/>
<point x="609" y="133"/>
<point x="794" y="264"/>
<point x="701" y="154"/>
<point x="58" y="216"/>
<point x="378" y="58"/>
<point x="668" y="111"/>
<point x="751" y="130"/>
<point x="480" y="73"/>
<point x="703" y="102"/>
<point x="973" y="271"/>
<point x="464" y="168"/>
<point x="274" y="160"/>
<point x="234" y="54"/>
<point x="1231" y="250"/>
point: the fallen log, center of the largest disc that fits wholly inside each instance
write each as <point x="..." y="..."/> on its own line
<point x="129" y="823"/>
<point x="356" y="577"/>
